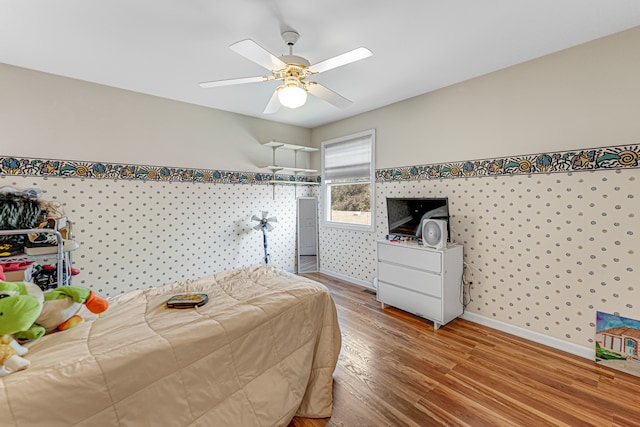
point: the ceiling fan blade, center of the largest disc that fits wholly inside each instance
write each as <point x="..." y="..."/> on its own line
<point x="257" y="227"/>
<point x="230" y="82"/>
<point x="269" y="227"/>
<point x="328" y="95"/>
<point x="272" y="219"/>
<point x="273" y="105"/>
<point x="256" y="53"/>
<point x="255" y="218"/>
<point x="264" y="214"/>
<point x="340" y="60"/>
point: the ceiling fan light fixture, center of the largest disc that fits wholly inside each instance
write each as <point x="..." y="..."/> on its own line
<point x="292" y="71"/>
<point x="291" y="95"/>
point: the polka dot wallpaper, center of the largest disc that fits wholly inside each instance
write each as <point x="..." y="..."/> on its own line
<point x="546" y="245"/>
<point x="541" y="251"/>
<point x="136" y="234"/>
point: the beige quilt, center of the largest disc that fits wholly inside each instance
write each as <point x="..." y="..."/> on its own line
<point x="262" y="350"/>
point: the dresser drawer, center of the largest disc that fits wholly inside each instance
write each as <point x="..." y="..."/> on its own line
<point x="412" y="256"/>
<point x="410" y="278"/>
<point x="413" y="302"/>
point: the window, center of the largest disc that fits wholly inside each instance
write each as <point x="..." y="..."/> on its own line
<point x="348" y="178"/>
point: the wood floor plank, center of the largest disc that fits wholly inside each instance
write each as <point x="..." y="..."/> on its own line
<point x="396" y="370"/>
<point x="522" y="397"/>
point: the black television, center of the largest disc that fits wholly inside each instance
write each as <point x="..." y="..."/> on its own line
<point x="405" y="214"/>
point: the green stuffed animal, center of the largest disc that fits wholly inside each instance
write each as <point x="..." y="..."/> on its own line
<point x="27" y="313"/>
<point x="20" y="305"/>
<point x="61" y="306"/>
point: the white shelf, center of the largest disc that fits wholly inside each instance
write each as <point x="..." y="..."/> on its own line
<point x="275" y="181"/>
<point x="274" y="168"/>
<point x="294" y="147"/>
<point x="275" y="145"/>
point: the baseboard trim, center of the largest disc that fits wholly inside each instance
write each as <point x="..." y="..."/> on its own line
<point x="537" y="337"/>
<point x="347" y="278"/>
<point x="578" y="350"/>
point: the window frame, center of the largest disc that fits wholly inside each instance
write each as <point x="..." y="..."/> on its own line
<point x="326" y="186"/>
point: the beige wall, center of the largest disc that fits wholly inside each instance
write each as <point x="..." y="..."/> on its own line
<point x="582" y="97"/>
<point x="544" y="251"/>
<point x="141" y="233"/>
<point x="51" y="117"/>
<point x="586" y="96"/>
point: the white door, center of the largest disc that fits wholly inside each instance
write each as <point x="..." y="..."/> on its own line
<point x="307" y="220"/>
<point x="307" y="231"/>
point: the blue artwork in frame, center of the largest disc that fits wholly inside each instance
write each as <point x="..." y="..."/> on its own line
<point x="618" y="342"/>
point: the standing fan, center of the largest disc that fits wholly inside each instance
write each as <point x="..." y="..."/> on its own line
<point x="264" y="225"/>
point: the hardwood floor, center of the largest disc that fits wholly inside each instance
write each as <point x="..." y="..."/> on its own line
<point x="395" y="370"/>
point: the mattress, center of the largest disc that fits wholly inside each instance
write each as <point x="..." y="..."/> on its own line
<point x="262" y="350"/>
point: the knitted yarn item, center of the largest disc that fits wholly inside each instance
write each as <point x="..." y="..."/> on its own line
<point x="18" y="212"/>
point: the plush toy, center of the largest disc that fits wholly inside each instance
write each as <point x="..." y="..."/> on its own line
<point x="11" y="353"/>
<point x="20" y="306"/>
<point x="27" y="313"/>
<point x="61" y="306"/>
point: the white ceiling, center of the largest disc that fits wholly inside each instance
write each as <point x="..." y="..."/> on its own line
<point x="166" y="47"/>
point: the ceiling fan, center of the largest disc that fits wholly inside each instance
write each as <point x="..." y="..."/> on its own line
<point x="293" y="71"/>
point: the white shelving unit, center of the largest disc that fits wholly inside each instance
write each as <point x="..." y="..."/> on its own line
<point x="275" y="167"/>
<point x="59" y="255"/>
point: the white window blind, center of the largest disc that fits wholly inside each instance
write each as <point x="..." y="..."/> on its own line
<point x="350" y="159"/>
<point x="348" y="178"/>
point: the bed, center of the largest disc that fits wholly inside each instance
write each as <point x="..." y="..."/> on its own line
<point x="262" y="350"/>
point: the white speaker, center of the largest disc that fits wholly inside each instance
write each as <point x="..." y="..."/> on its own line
<point x="434" y="233"/>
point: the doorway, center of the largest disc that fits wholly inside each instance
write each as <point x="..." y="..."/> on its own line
<point x="307" y="234"/>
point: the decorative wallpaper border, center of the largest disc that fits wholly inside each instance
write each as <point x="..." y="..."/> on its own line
<point x="99" y="170"/>
<point x="614" y="157"/>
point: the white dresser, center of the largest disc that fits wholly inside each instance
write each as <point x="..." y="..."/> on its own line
<point x="422" y="281"/>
